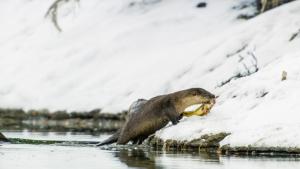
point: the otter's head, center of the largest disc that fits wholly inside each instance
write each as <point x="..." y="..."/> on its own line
<point x="188" y="97"/>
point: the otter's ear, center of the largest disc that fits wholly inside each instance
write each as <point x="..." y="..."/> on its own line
<point x="170" y="111"/>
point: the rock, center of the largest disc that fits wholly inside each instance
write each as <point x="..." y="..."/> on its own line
<point x="210" y="143"/>
<point x="207" y="141"/>
<point x="201" y="5"/>
<point x="255" y="151"/>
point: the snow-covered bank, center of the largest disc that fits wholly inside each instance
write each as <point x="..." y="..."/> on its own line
<point x="112" y="52"/>
<point x="258" y="110"/>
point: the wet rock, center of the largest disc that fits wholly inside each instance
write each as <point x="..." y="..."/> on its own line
<point x="257" y="151"/>
<point x="155" y="142"/>
<point x="207" y="141"/>
<point x="210" y="143"/>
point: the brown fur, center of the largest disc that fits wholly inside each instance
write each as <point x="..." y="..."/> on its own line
<point x="156" y="113"/>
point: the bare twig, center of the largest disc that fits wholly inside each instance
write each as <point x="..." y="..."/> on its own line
<point x="294" y="35"/>
<point x="248" y="72"/>
<point x="237" y="51"/>
<point x="52" y="12"/>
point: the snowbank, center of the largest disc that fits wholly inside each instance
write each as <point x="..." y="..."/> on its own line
<point x="112" y="52"/>
<point x="258" y="110"/>
<point x="109" y="53"/>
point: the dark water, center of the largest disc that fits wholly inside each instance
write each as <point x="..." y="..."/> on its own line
<point x="17" y="156"/>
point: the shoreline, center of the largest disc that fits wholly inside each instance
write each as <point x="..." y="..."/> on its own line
<point x="95" y="121"/>
<point x="210" y="143"/>
<point x="205" y="144"/>
<point x="76" y="121"/>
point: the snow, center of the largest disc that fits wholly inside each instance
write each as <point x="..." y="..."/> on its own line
<point x="111" y="53"/>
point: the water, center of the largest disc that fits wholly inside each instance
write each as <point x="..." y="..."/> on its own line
<point x="21" y="156"/>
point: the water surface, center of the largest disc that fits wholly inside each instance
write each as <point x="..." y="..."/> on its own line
<point x="24" y="156"/>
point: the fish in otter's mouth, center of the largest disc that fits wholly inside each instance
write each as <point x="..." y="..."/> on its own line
<point x="199" y="109"/>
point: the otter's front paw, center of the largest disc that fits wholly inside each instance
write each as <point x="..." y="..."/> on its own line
<point x="175" y="121"/>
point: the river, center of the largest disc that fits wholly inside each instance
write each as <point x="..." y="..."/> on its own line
<point x="26" y="156"/>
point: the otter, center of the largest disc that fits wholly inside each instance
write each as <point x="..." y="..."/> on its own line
<point x="145" y="117"/>
<point x="3" y="138"/>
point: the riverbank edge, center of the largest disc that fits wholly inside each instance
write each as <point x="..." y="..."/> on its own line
<point x="20" y="114"/>
<point x="211" y="143"/>
<point x="77" y="121"/>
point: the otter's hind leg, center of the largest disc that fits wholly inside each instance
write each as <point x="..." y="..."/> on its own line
<point x="139" y="140"/>
<point x="142" y="139"/>
<point x="135" y="141"/>
<point x="124" y="138"/>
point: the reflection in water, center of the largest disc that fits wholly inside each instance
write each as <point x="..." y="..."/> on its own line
<point x="16" y="156"/>
<point x="137" y="158"/>
<point x="149" y="159"/>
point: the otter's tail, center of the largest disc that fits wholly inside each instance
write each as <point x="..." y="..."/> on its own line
<point x="111" y="139"/>
<point x="3" y="138"/>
